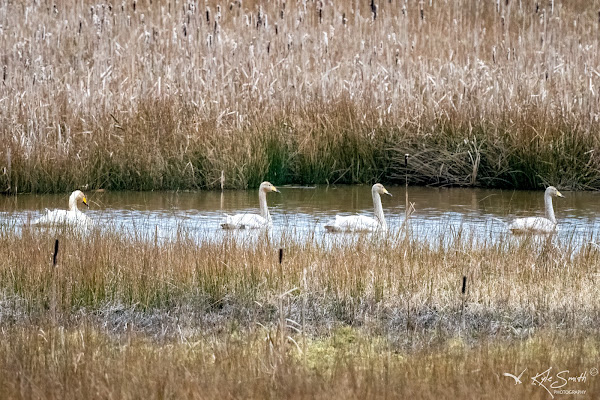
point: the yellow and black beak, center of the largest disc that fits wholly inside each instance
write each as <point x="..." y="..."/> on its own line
<point x="274" y="189"/>
<point x="559" y="194"/>
<point x="386" y="192"/>
<point x="85" y="202"/>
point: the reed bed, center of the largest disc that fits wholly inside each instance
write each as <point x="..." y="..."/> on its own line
<point x="138" y="317"/>
<point x="175" y="95"/>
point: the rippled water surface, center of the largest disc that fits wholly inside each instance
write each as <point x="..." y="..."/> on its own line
<point x="300" y="212"/>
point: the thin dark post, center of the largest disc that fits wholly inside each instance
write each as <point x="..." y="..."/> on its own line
<point x="54" y="277"/>
<point x="280" y="256"/>
<point x="55" y="253"/>
<point x="374" y="9"/>
<point x="462" y="308"/>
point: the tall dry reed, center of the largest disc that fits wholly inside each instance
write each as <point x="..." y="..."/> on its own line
<point x="166" y="95"/>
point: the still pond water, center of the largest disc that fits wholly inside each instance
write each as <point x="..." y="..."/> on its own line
<point x="300" y="212"/>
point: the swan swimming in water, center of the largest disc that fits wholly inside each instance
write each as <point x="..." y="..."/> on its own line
<point x="546" y="224"/>
<point x="253" y="221"/>
<point x="361" y="223"/>
<point x="72" y="216"/>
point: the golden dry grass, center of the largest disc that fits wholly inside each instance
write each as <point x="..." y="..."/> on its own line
<point x="57" y="363"/>
<point x="133" y="317"/>
<point x="140" y="95"/>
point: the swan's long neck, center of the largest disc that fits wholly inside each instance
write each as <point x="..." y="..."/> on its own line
<point x="549" y="208"/>
<point x="73" y="202"/>
<point x="262" y="200"/>
<point x="378" y="210"/>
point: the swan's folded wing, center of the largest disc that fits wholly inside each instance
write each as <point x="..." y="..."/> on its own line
<point x="364" y="223"/>
<point x="244" y="221"/>
<point x="351" y="223"/>
<point x="51" y="217"/>
<point x="63" y="217"/>
<point x="532" y="224"/>
<point x="230" y="222"/>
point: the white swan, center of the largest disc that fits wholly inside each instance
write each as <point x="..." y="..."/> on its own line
<point x="252" y="221"/>
<point x="72" y="216"/>
<point x="358" y="223"/>
<point x="539" y="224"/>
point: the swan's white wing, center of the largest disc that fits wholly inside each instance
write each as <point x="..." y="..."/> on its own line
<point x="63" y="217"/>
<point x="53" y="217"/>
<point x="532" y="225"/>
<point x="44" y="218"/>
<point x="352" y="223"/>
<point x="244" y="221"/>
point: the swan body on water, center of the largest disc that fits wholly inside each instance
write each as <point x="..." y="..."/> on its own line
<point x="361" y="223"/>
<point x="545" y="224"/>
<point x="253" y="221"/>
<point x="72" y="216"/>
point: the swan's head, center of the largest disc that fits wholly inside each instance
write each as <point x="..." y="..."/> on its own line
<point x="75" y="197"/>
<point x="552" y="191"/>
<point x="79" y="196"/>
<point x="378" y="188"/>
<point x="268" y="187"/>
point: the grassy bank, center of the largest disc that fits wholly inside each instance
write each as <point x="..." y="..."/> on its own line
<point x="130" y="318"/>
<point x="168" y="96"/>
<point x="390" y="285"/>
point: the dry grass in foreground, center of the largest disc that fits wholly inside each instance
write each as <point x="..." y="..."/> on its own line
<point x="167" y="95"/>
<point x="132" y="318"/>
<point x="58" y="363"/>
